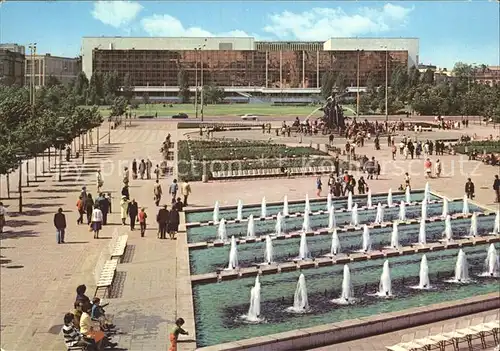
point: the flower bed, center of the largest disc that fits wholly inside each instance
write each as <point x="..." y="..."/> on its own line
<point x="478" y="146"/>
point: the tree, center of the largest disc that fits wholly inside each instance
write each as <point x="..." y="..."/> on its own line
<point x="111" y="85"/>
<point x="213" y="94"/>
<point x="183" y="81"/>
<point x="428" y="77"/>
<point x="327" y="82"/>
<point x="80" y="87"/>
<point x="145" y="98"/>
<point x="340" y="82"/>
<point x="127" y="88"/>
<point x="119" y="106"/>
<point x="52" y="81"/>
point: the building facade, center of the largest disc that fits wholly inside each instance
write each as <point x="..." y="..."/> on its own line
<point x="243" y="64"/>
<point x="40" y="67"/>
<point x="12" y="61"/>
<point x="489" y="75"/>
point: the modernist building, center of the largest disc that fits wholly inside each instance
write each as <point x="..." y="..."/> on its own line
<point x="11" y="64"/>
<point x="41" y="67"/>
<point x="246" y="65"/>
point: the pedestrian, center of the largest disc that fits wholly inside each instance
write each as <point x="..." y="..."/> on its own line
<point x="377" y="169"/>
<point x="173" y="222"/>
<point x="438" y="168"/>
<point x="126" y="176"/>
<point x="96" y="221"/>
<point x="125" y="192"/>
<point x="428" y="168"/>
<point x="3" y="214"/>
<point x="162" y="219"/>
<point x="496" y="187"/>
<point x="68" y="154"/>
<point x="177" y="329"/>
<point x="149" y="165"/>
<point x="185" y="191"/>
<point x="133" y="211"/>
<point x="172" y="190"/>
<point x="142" y="220"/>
<point x="83" y="194"/>
<point x="134" y="169"/>
<point x="157" y="192"/>
<point x="104" y="207"/>
<point x="60" y="224"/>
<point x="361" y="185"/>
<point x="109" y="202"/>
<point x="469" y="189"/>
<point x="142" y="169"/>
<point x="81" y="210"/>
<point x="100" y="181"/>
<point x="407" y="181"/>
<point x="89" y="207"/>
<point x="394" y="150"/>
<point x="319" y="186"/>
<point x="157" y="172"/>
<point x="178" y="205"/>
<point x="123" y="209"/>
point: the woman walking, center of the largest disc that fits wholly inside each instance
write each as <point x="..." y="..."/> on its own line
<point x="142" y="220"/>
<point x="173" y="223"/>
<point x="123" y="209"/>
<point x="319" y="186"/>
<point x="96" y="221"/>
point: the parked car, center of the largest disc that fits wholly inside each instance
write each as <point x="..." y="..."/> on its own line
<point x="180" y="115"/>
<point x="249" y="117"/>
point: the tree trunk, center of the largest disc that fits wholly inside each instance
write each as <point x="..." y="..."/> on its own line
<point x="8" y="185"/>
<point x="36" y="168"/>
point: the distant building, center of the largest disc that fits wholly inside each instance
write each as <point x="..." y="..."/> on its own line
<point x="12" y="61"/>
<point x="64" y="69"/>
<point x="489" y="75"/>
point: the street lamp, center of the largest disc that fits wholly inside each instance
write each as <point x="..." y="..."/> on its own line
<point x="201" y="60"/>
<point x="386" y="81"/>
<point x="357" y="83"/>
<point x="60" y="143"/>
<point x="19" y="184"/>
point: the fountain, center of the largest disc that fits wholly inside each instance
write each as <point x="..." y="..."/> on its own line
<point x="492" y="263"/>
<point x="424" y="282"/>
<point x="233" y="255"/>
<point x="395" y="236"/>
<point x="332" y="223"/>
<point x="461" y="269"/>
<point x="300" y="302"/>
<point x="279" y="224"/>
<point x="239" y="211"/>
<point x="389" y="198"/>
<point x="253" y="315"/>
<point x="448" y="233"/>
<point x="216" y="212"/>
<point x="423" y="215"/>
<point x="369" y="199"/>
<point x="285" y="206"/>
<point x="445" y="208"/>
<point x="496" y="226"/>
<point x="347" y="295"/>
<point x="427" y="192"/>
<point x="349" y="201"/>
<point x="335" y="244"/>
<point x="402" y="211"/>
<point x="367" y="242"/>
<point x="422" y="237"/>
<point x="251" y="227"/>
<point x="354" y="215"/>
<point x="329" y="203"/>
<point x="307" y="206"/>
<point x="303" y="250"/>
<point x="221" y="232"/>
<point x="473" y="225"/>
<point x="263" y="211"/>
<point x="269" y="253"/>
<point x="408" y="195"/>
<point x="306" y="225"/>
<point x="385" y="288"/>
<point x="379" y="218"/>
<point x="465" y="209"/>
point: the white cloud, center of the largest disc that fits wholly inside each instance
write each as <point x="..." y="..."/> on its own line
<point x="169" y="26"/>
<point x="116" y="13"/>
<point x="323" y="23"/>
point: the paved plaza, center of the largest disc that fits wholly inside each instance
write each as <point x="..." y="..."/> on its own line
<point x="39" y="277"/>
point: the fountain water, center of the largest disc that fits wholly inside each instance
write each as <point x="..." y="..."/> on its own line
<point x="427" y="192"/>
<point x="389" y="198"/>
<point x="402" y="211"/>
<point x="492" y="262"/>
<point x="369" y="199"/>
<point x="269" y="253"/>
<point x="496" y="226"/>
<point x="448" y="233"/>
<point x="424" y="282"/>
<point x="285" y="206"/>
<point x="347" y="295"/>
<point x="445" y="208"/>
<point x="300" y="301"/>
<point x="251" y="227"/>
<point x="422" y="237"/>
<point x="329" y="203"/>
<point x="465" y="209"/>
<point x="307" y="206"/>
<point x="233" y="255"/>
<point x="367" y="242"/>
<point x="263" y="211"/>
<point x="461" y="269"/>
<point x="473" y="225"/>
<point x="408" y="195"/>
<point x="306" y="225"/>
<point x="354" y="215"/>
<point x="349" y="201"/>
<point x="395" y="236"/>
<point x="253" y="314"/>
<point x="221" y="232"/>
<point x="332" y="223"/>
<point x="335" y="243"/>
<point x="379" y="218"/>
<point x="239" y="211"/>
<point x="279" y="224"/>
<point x="385" y="288"/>
<point x="216" y="212"/>
<point x="303" y="250"/>
<point x="424" y="210"/>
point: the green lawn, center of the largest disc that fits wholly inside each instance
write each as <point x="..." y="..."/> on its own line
<point x="228" y="110"/>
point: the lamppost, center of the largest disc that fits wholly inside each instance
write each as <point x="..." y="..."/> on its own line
<point x="32" y="47"/>
<point x="19" y="184"/>
<point x="386" y="81"/>
<point x="196" y="83"/>
<point x="357" y="83"/>
<point x="201" y="60"/>
<point x="83" y="145"/>
<point x="60" y="144"/>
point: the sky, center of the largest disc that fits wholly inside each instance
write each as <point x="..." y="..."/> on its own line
<point x="449" y="31"/>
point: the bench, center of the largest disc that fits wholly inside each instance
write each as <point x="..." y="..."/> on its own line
<point x="106" y="276"/>
<point x="271" y="172"/>
<point x="117" y="246"/>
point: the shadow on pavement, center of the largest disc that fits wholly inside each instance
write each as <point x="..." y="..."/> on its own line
<point x="19" y="234"/>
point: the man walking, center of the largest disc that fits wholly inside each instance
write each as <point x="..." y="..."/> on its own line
<point x="186" y="191"/>
<point x="60" y="224"/>
<point x="162" y="219"/>
<point x="142" y="220"/>
<point x="496" y="187"/>
<point x="133" y="211"/>
<point x="157" y="192"/>
<point x="469" y="189"/>
<point x="172" y="190"/>
<point x="149" y="165"/>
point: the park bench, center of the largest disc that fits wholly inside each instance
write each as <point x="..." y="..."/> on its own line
<point x="271" y="172"/>
<point x="104" y="272"/>
<point x="117" y="246"/>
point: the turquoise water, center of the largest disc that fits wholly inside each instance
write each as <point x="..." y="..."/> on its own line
<point x="209" y="260"/>
<point x="205" y="216"/>
<point x="209" y="233"/>
<point x="219" y="322"/>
